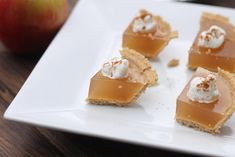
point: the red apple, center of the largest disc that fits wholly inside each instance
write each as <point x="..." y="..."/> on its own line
<point x="28" y="26"/>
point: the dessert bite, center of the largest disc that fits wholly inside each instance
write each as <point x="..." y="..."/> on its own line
<point x="207" y="101"/>
<point x="121" y="80"/>
<point x="148" y="34"/>
<point x="214" y="45"/>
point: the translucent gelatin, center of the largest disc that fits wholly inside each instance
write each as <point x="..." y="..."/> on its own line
<point x="113" y="90"/>
<point x="123" y="91"/>
<point x="207" y="117"/>
<point x="149" y="44"/>
<point x="224" y="56"/>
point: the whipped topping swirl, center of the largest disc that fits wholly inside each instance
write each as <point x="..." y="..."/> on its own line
<point x="203" y="89"/>
<point x="116" y="68"/>
<point x="144" y="24"/>
<point x="212" y="38"/>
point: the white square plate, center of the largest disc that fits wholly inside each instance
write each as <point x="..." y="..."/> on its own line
<point x="54" y="94"/>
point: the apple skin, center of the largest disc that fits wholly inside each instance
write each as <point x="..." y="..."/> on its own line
<point x="28" y="26"/>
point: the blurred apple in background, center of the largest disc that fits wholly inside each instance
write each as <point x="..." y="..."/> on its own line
<point x="28" y="26"/>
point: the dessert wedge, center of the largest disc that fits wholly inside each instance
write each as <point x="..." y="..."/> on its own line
<point x="148" y="34"/>
<point x="121" y="80"/>
<point x="214" y="45"/>
<point x="207" y="101"/>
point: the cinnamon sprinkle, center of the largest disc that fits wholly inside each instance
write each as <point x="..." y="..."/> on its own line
<point x="205" y="83"/>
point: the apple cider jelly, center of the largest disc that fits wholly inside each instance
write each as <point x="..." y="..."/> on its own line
<point x="214" y="45"/>
<point x="148" y="34"/>
<point x="121" y="80"/>
<point x="207" y="101"/>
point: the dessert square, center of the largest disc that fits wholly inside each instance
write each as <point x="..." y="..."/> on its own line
<point x="121" y="80"/>
<point x="214" y="45"/>
<point x="207" y="102"/>
<point x="148" y="34"/>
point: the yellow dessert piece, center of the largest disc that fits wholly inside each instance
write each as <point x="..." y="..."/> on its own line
<point x="173" y="62"/>
<point x="114" y="91"/>
<point x="149" y="43"/>
<point x="208" y="117"/>
<point x="104" y="90"/>
<point x="209" y="58"/>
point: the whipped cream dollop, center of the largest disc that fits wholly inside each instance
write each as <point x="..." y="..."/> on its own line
<point x="203" y="89"/>
<point x="116" y="68"/>
<point x="212" y="38"/>
<point x="144" y="24"/>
